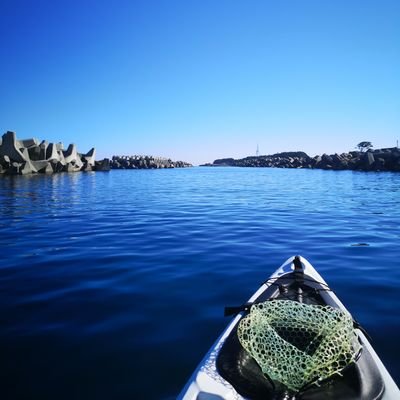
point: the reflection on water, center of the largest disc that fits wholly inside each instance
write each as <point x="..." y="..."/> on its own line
<point x="111" y="281"/>
<point x="23" y="195"/>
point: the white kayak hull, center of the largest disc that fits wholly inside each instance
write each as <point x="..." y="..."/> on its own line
<point x="206" y="383"/>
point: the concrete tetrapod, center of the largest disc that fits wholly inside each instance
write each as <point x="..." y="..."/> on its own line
<point x="31" y="156"/>
<point x="70" y="154"/>
<point x="9" y="147"/>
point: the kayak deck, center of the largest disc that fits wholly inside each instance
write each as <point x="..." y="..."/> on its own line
<point x="228" y="372"/>
<point x="361" y="380"/>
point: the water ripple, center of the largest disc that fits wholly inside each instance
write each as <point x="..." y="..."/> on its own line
<point x="100" y="271"/>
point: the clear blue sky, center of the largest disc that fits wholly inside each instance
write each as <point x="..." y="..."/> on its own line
<point x="199" y="80"/>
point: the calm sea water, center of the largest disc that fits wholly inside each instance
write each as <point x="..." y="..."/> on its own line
<point x="112" y="285"/>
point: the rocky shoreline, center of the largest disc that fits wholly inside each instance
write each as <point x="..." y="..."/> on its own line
<point x="372" y="160"/>
<point x="145" y="162"/>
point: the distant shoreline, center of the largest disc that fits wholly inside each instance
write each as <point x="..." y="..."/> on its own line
<point x="387" y="159"/>
<point x="145" y="162"/>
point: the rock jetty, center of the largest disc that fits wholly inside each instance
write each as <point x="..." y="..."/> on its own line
<point x="22" y="157"/>
<point x="145" y="162"/>
<point x="372" y="160"/>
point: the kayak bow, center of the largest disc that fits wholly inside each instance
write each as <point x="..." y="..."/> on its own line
<point x="228" y="371"/>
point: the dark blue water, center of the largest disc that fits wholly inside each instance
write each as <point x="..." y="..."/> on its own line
<point x="112" y="285"/>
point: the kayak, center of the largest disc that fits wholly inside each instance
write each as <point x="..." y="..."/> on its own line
<point x="319" y="351"/>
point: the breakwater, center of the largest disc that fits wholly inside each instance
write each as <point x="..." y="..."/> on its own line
<point x="29" y="156"/>
<point x="372" y="160"/>
<point x="22" y="157"/>
<point x="145" y="162"/>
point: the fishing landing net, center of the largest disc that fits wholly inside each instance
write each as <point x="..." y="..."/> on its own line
<point x="298" y="344"/>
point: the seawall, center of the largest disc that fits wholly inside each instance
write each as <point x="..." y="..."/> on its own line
<point x="145" y="162"/>
<point x="372" y="160"/>
<point x="30" y="156"/>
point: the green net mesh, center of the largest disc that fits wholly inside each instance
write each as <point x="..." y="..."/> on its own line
<point x="297" y="344"/>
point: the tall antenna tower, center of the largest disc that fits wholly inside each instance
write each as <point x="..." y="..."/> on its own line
<point x="257" y="151"/>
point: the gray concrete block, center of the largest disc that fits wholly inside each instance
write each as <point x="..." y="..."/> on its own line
<point x="47" y="170"/>
<point x="59" y="146"/>
<point x="43" y="148"/>
<point x="10" y="148"/>
<point x="69" y="167"/>
<point x="90" y="156"/>
<point x="61" y="158"/>
<point x="51" y="152"/>
<point x="40" y="165"/>
<point x="34" y="153"/>
<point x="86" y="167"/>
<point x="78" y="163"/>
<point x="70" y="154"/>
<point x="102" y="165"/>
<point x="26" y="168"/>
<point x="28" y="162"/>
<point x="370" y="158"/>
<point x="56" y="166"/>
<point x="27" y="143"/>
